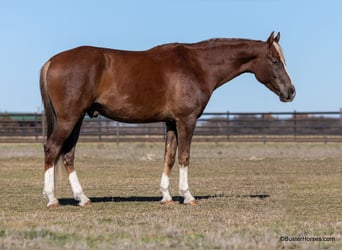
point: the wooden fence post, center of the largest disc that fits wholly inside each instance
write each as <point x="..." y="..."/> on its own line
<point x="228" y="132"/>
<point x="100" y="127"/>
<point x="117" y="139"/>
<point x="295" y="125"/>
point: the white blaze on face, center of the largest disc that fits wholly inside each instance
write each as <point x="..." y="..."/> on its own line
<point x="280" y="52"/>
<point x="281" y="55"/>
<point x="282" y="59"/>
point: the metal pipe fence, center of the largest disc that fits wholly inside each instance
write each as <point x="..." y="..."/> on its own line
<point x="211" y="127"/>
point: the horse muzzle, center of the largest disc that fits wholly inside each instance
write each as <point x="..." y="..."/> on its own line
<point x="289" y="95"/>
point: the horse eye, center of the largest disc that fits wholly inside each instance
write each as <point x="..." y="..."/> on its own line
<point x="276" y="61"/>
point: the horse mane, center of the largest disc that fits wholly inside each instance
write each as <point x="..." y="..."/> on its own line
<point x="214" y="42"/>
<point x="210" y="43"/>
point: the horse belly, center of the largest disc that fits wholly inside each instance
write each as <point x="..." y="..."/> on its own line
<point x="133" y="109"/>
<point x="134" y="95"/>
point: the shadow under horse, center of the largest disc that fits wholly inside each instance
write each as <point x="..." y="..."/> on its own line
<point x="179" y="199"/>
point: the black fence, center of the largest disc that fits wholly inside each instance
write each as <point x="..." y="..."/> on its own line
<point x="212" y="127"/>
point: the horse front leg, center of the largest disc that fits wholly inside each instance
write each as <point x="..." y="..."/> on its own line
<point x="185" y="130"/>
<point x="169" y="161"/>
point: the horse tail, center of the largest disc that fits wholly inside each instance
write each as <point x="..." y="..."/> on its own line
<point x="48" y="107"/>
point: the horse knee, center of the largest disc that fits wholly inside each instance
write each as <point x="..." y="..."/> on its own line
<point x="170" y="158"/>
<point x="170" y="153"/>
<point x="68" y="161"/>
<point x="184" y="160"/>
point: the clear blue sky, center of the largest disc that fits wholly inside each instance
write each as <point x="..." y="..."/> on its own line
<point x="311" y="38"/>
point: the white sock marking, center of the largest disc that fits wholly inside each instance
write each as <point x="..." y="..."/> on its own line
<point x="77" y="189"/>
<point x="183" y="184"/>
<point x="49" y="186"/>
<point x="183" y="179"/>
<point x="75" y="183"/>
<point x="165" y="182"/>
<point x="164" y="188"/>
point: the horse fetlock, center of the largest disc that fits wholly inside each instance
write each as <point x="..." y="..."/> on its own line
<point x="82" y="198"/>
<point x="167" y="202"/>
<point x="166" y="195"/>
<point x="188" y="198"/>
<point x="50" y="197"/>
<point x="84" y="202"/>
<point x="52" y="203"/>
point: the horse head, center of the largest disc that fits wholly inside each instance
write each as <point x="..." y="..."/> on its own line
<point x="270" y="69"/>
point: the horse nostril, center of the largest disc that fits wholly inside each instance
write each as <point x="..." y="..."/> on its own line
<point x="288" y="95"/>
<point x="293" y="92"/>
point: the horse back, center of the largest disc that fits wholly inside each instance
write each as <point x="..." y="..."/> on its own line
<point x="131" y="86"/>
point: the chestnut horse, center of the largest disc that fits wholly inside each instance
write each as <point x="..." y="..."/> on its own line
<point x="170" y="83"/>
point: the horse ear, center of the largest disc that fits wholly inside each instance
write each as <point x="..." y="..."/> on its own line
<point x="270" y="39"/>
<point x="277" y="38"/>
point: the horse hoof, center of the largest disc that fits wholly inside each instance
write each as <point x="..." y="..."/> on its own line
<point x="167" y="203"/>
<point x="88" y="204"/>
<point x="191" y="203"/>
<point x="53" y="205"/>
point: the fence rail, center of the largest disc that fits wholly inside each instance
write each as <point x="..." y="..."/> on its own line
<point x="213" y="127"/>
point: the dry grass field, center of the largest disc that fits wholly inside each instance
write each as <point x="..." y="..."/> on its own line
<point x="251" y="196"/>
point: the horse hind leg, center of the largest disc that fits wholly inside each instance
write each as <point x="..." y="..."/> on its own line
<point x="52" y="152"/>
<point x="68" y="161"/>
<point x="169" y="160"/>
<point x="51" y="155"/>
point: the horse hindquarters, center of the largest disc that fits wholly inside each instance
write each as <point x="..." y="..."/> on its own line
<point x="63" y="131"/>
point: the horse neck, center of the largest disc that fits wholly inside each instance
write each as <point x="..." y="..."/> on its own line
<point x="225" y="59"/>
